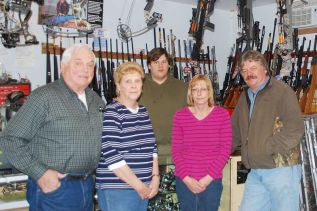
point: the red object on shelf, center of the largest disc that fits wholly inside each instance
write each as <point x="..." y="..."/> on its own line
<point x="6" y="89"/>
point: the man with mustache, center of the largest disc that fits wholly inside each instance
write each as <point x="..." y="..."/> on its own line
<point x="267" y="124"/>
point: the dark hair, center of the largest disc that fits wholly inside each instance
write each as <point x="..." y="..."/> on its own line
<point x="156" y="53"/>
<point x="254" y="56"/>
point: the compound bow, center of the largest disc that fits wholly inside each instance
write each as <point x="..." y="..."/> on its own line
<point x="11" y="29"/>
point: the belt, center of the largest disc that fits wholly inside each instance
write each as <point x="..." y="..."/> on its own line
<point x="77" y="176"/>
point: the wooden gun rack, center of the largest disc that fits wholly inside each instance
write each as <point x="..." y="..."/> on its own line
<point x="114" y="54"/>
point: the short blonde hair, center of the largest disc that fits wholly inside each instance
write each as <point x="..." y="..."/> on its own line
<point x="193" y="82"/>
<point x="126" y="68"/>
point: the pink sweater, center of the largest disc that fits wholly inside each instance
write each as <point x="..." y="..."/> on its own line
<point x="201" y="147"/>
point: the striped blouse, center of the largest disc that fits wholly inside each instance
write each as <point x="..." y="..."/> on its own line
<point x="201" y="147"/>
<point x="127" y="138"/>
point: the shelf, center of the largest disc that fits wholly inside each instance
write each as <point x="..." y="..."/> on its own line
<point x="13" y="178"/>
<point x="13" y="204"/>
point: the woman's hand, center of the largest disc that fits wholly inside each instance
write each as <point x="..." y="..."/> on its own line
<point x="206" y="180"/>
<point x="193" y="185"/>
<point x="143" y="191"/>
<point x="154" y="186"/>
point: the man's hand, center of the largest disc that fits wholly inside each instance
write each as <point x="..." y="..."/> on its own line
<point x="50" y="180"/>
<point x="154" y="186"/>
<point x="206" y="180"/>
<point x="193" y="185"/>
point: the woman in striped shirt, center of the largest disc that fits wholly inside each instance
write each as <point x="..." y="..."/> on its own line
<point x="201" y="145"/>
<point x="127" y="174"/>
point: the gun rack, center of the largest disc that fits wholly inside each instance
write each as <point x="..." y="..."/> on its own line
<point x="106" y="54"/>
<point x="310" y="30"/>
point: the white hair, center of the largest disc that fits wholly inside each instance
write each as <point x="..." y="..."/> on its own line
<point x="67" y="54"/>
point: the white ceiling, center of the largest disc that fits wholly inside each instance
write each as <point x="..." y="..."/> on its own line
<point x="229" y="5"/>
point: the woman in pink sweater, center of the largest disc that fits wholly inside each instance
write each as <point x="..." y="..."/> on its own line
<point x="201" y="145"/>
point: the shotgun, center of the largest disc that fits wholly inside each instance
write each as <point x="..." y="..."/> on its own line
<point x="48" y="62"/>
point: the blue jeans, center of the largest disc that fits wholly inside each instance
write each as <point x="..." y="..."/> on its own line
<point x="120" y="200"/>
<point x="208" y="200"/>
<point x="72" y="195"/>
<point x="274" y="189"/>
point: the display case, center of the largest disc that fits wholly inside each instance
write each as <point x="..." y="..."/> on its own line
<point x="12" y="192"/>
<point x="234" y="176"/>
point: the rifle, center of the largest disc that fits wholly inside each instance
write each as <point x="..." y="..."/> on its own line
<point x="154" y="31"/>
<point x="302" y="91"/>
<point x="269" y="53"/>
<point x="180" y="61"/>
<point x="209" y="60"/>
<point x="295" y="47"/>
<point x="122" y="53"/>
<point x="147" y="50"/>
<point x="164" y="38"/>
<point x="299" y="66"/>
<point x="48" y="62"/>
<point x="259" y="47"/>
<point x="111" y="84"/>
<point x="311" y="103"/>
<point x="102" y="69"/>
<point x="132" y="49"/>
<point x="215" y="79"/>
<point x="129" y="58"/>
<point x="55" y="60"/>
<point x="235" y="80"/>
<point x="187" y="70"/>
<point x="111" y="57"/>
<point x="117" y="52"/>
<point x="199" y="22"/>
<point x="160" y="37"/>
<point x="273" y="37"/>
<point x="204" y="71"/>
<point x="227" y="79"/>
<point x="141" y="57"/>
<point x="256" y="34"/>
<point x="94" y="83"/>
<point x="60" y="50"/>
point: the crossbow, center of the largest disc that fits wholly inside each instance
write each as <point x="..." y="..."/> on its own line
<point x="14" y="17"/>
<point x="124" y="31"/>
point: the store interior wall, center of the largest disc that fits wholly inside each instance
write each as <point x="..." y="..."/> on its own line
<point x="31" y="63"/>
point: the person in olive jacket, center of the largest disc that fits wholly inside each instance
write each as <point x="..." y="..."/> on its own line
<point x="267" y="124"/>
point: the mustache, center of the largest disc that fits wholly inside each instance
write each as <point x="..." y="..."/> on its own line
<point x="251" y="77"/>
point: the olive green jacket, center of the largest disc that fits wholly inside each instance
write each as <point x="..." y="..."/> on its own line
<point x="271" y="137"/>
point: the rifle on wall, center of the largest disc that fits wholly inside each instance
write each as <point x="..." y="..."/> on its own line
<point x="102" y="69"/>
<point x="174" y="67"/>
<point x="301" y="92"/>
<point x="180" y="60"/>
<point x="311" y="103"/>
<point x="48" y="62"/>
<point x="199" y="22"/>
<point x="227" y="80"/>
<point x="94" y="83"/>
<point x="55" y="60"/>
<point x="300" y="55"/>
<point x="132" y="49"/>
<point x="117" y="52"/>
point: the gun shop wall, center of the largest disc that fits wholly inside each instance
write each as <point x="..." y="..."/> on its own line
<point x="30" y="61"/>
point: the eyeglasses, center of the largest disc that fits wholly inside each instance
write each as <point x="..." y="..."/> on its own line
<point x="157" y="63"/>
<point x="201" y="90"/>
